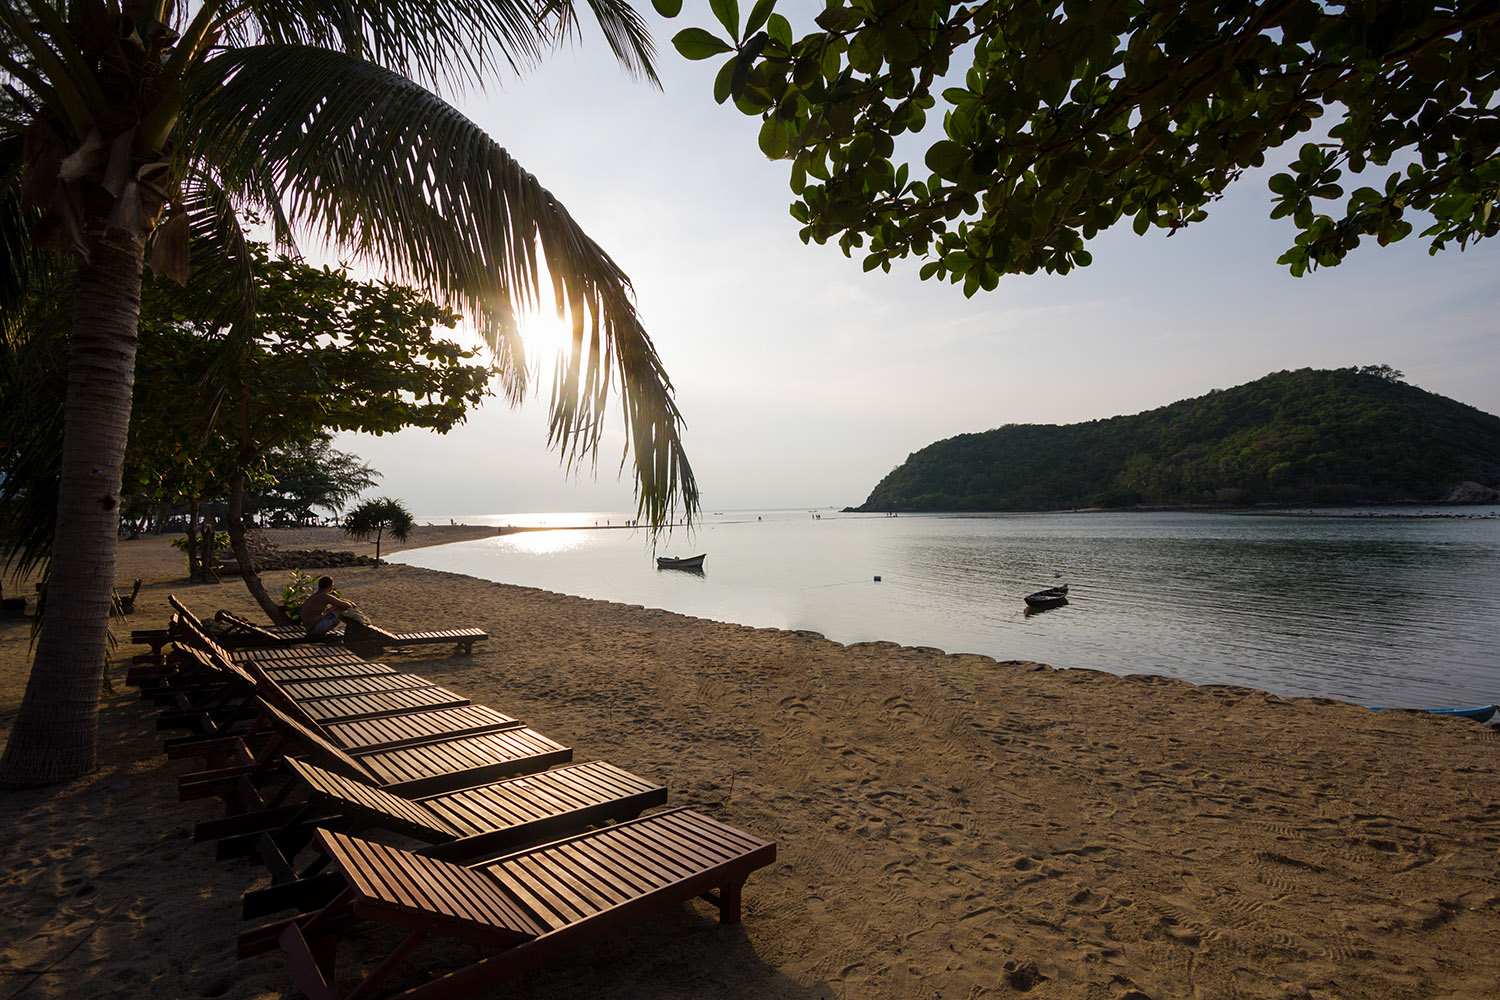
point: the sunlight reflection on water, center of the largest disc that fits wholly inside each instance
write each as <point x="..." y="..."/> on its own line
<point x="1397" y="611"/>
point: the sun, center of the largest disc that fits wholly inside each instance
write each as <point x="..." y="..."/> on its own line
<point x="545" y="336"/>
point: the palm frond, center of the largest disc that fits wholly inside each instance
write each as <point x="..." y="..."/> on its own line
<point x="221" y="289"/>
<point x="374" y="164"/>
<point x="451" y="43"/>
<point x="33" y="385"/>
<point x="17" y="258"/>
<point x="624" y="30"/>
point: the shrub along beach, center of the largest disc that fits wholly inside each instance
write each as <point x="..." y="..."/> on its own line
<point x="947" y="826"/>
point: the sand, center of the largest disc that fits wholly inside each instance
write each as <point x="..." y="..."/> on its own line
<point x="948" y="826"/>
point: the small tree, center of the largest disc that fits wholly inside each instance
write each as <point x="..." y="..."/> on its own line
<point x="376" y="517"/>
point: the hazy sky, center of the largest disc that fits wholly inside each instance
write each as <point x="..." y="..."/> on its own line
<point x="803" y="380"/>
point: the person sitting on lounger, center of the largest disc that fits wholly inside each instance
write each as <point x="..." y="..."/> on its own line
<point x="323" y="612"/>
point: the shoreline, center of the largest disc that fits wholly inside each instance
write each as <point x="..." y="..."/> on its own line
<point x="948" y="825"/>
<point x="1288" y="510"/>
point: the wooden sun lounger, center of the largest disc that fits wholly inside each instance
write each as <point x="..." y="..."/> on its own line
<point x="238" y="631"/>
<point x="326" y="699"/>
<point x="370" y="637"/>
<point x="528" y="908"/>
<point x="204" y="690"/>
<point x="386" y="732"/>
<point x="240" y="766"/>
<point x="241" y="631"/>
<point x="477" y="821"/>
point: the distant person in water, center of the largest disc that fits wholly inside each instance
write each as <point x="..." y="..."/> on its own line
<point x="323" y="611"/>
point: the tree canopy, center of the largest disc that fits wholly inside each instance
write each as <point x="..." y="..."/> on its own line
<point x="378" y="517"/>
<point x="329" y="353"/>
<point x="1036" y="126"/>
<point x="307" y="476"/>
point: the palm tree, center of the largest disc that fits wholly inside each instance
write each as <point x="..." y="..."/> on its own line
<point x="376" y="517"/>
<point x="133" y="129"/>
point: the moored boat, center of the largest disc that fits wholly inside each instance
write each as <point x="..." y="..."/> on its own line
<point x="684" y="562"/>
<point x="1479" y="713"/>
<point x="1051" y="597"/>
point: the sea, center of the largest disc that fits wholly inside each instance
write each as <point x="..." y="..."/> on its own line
<point x="1384" y="607"/>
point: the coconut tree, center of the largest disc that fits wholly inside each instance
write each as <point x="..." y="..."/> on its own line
<point x="377" y="517"/>
<point x="133" y="129"/>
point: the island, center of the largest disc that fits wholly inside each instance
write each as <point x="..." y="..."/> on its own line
<point x="1319" y="437"/>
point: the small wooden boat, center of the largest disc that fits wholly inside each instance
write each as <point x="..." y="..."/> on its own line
<point x="1479" y="713"/>
<point x="1049" y="598"/>
<point x="684" y="562"/>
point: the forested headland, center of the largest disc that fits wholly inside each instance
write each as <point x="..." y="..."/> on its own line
<point x="1352" y="435"/>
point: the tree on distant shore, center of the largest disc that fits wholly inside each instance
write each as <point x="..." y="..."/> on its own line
<point x="135" y="128"/>
<point x="307" y="476"/>
<point x="376" y="517"/>
<point x="1060" y="121"/>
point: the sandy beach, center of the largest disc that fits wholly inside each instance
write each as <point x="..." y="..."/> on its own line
<point x="948" y="826"/>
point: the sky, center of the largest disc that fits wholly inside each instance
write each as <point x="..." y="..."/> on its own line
<point x="803" y="381"/>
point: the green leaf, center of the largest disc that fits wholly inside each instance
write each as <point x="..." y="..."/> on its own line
<point x="758" y="15"/>
<point x="799" y="176"/>
<point x="724" y="82"/>
<point x="1283" y="184"/>
<point x="945" y="158"/>
<point x="774" y="138"/>
<point x="728" y="13"/>
<point x="837" y="19"/>
<point x="695" y="43"/>
<point x="667" y="8"/>
<point x="780" y="29"/>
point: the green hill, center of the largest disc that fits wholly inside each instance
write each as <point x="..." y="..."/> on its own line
<point x="1307" y="436"/>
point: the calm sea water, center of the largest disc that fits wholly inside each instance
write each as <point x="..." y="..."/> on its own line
<point x="1378" y="610"/>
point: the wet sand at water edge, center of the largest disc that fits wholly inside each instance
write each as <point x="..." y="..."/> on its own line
<point x="947" y="826"/>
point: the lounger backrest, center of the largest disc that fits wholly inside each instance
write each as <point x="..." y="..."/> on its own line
<point x="431" y="894"/>
<point x="225" y="667"/>
<point x="182" y="610"/>
<point x="245" y="625"/>
<point x="306" y="732"/>
<point x="199" y="637"/>
<point x="357" y="797"/>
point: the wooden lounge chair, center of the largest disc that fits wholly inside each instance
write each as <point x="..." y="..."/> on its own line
<point x="241" y="766"/>
<point x="528" y="908"/>
<point x="327" y="698"/>
<point x="477" y="821"/>
<point x="240" y="631"/>
<point x="235" y="631"/>
<point x="386" y="732"/>
<point x="371" y="639"/>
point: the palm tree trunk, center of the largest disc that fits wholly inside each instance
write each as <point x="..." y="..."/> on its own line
<point x="242" y="553"/>
<point x="56" y="733"/>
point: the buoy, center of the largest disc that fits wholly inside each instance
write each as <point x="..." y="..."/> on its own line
<point x="877" y="579"/>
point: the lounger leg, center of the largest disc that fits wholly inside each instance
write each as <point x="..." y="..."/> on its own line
<point x="312" y="970"/>
<point x="729" y="902"/>
<point x="392" y="962"/>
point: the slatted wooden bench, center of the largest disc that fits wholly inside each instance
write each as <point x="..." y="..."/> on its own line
<point x="236" y="769"/>
<point x="528" y="908"/>
<point x="388" y="732"/>
<point x="475" y="822"/>
<point x="372" y="637"/>
<point x="328" y="694"/>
